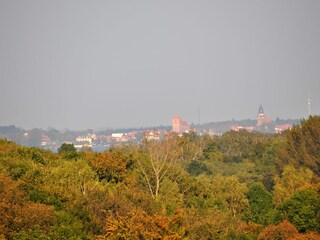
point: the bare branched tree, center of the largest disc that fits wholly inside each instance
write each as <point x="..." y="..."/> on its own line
<point x="155" y="160"/>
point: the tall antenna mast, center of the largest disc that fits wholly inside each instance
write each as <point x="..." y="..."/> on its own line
<point x="309" y="104"/>
<point x="198" y="116"/>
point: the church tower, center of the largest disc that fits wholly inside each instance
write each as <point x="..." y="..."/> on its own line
<point x="260" y="116"/>
<point x="179" y="126"/>
<point x="176" y="120"/>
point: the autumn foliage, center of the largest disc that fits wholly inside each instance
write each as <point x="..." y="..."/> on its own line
<point x="285" y="230"/>
<point x="239" y="185"/>
<point x="137" y="224"/>
<point x="17" y="214"/>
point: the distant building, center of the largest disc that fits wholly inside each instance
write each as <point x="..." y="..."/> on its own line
<point x="117" y="135"/>
<point x="260" y="116"/>
<point x="45" y="140"/>
<point x="264" y="124"/>
<point x="281" y="128"/>
<point x="179" y="126"/>
<point x="239" y="128"/>
<point x="262" y="119"/>
<point x="152" y="135"/>
<point x="123" y="137"/>
<point x="87" y="139"/>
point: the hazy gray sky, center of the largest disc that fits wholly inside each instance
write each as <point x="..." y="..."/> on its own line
<point x="88" y="64"/>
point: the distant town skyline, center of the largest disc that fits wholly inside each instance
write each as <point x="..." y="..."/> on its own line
<point x="119" y="64"/>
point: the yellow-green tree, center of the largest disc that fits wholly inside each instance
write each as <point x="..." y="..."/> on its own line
<point x="230" y="194"/>
<point x="155" y="159"/>
<point x="291" y="180"/>
<point x="302" y="147"/>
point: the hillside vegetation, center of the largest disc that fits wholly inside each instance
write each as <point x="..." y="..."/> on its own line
<point x="238" y="186"/>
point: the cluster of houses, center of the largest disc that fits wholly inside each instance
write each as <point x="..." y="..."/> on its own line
<point x="93" y="141"/>
<point x="179" y="126"/>
<point x="264" y="124"/>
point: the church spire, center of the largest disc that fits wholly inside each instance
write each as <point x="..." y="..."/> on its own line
<point x="260" y="116"/>
<point x="260" y="109"/>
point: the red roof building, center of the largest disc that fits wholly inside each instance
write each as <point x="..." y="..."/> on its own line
<point x="179" y="126"/>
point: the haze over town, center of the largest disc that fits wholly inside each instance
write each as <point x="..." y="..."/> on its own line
<point x="83" y="64"/>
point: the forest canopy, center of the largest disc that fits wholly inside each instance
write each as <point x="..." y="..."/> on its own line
<point x="239" y="185"/>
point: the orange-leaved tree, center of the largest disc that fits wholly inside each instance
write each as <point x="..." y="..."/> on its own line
<point x="286" y="231"/>
<point x="282" y="231"/>
<point x="17" y="213"/>
<point x="137" y="224"/>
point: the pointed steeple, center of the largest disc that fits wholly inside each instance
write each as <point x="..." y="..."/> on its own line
<point x="260" y="116"/>
<point x="260" y="109"/>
